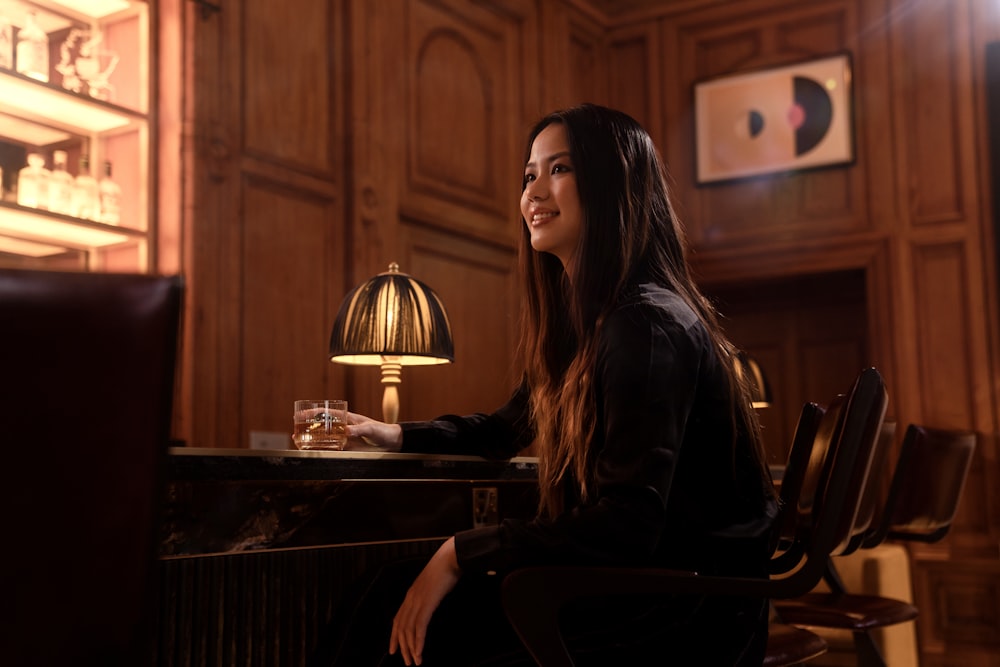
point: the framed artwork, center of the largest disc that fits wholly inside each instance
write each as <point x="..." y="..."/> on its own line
<point x="778" y="119"/>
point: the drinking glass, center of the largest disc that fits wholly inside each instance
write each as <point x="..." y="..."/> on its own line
<point x="320" y="424"/>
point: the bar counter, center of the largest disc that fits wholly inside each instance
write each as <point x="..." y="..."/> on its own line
<point x="258" y="546"/>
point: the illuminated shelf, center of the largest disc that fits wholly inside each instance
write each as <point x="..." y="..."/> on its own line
<point x="53" y="106"/>
<point x="95" y="8"/>
<point x="16" y="246"/>
<point x="57" y="14"/>
<point x="63" y="231"/>
<point x="12" y="127"/>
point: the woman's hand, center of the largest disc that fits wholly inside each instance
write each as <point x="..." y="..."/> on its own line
<point x="409" y="627"/>
<point x="362" y="431"/>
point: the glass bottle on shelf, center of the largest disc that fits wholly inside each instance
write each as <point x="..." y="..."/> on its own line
<point x="86" y="194"/>
<point x="33" y="183"/>
<point x="60" y="186"/>
<point x="33" y="50"/>
<point x="110" y="195"/>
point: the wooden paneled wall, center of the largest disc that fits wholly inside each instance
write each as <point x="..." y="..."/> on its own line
<point x="323" y="140"/>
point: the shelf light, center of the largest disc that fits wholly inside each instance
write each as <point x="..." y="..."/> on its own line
<point x="35" y="100"/>
<point x="38" y="226"/>
<point x="96" y="8"/>
<point x="30" y="133"/>
<point x="28" y="248"/>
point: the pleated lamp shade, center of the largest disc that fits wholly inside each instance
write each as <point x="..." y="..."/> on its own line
<point x="392" y="320"/>
<point x="760" y="390"/>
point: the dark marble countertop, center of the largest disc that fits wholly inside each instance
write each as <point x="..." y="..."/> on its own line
<point x="230" y="501"/>
<point x="207" y="463"/>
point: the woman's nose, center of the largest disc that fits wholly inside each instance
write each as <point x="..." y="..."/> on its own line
<point x="535" y="191"/>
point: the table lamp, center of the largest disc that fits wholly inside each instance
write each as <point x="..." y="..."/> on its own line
<point x="391" y="320"/>
<point x="760" y="390"/>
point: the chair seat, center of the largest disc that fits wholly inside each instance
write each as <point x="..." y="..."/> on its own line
<point x="846" y="611"/>
<point x="789" y="645"/>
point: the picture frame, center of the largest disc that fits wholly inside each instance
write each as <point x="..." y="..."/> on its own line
<point x="788" y="118"/>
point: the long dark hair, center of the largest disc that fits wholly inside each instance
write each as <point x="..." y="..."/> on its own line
<point x="630" y="234"/>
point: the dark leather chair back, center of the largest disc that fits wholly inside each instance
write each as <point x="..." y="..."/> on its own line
<point x="858" y="435"/>
<point x="867" y="520"/>
<point x="794" y="474"/>
<point x="926" y="485"/>
<point x="88" y="365"/>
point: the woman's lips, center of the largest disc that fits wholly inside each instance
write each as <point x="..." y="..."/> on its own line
<point x="541" y="217"/>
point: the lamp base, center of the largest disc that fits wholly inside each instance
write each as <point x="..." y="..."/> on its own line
<point x="391" y="372"/>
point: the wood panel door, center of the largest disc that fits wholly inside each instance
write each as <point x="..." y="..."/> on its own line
<point x="264" y="227"/>
<point x="438" y="119"/>
<point x="809" y="334"/>
<point x="322" y="142"/>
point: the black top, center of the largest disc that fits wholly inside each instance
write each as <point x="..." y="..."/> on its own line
<point x="669" y="491"/>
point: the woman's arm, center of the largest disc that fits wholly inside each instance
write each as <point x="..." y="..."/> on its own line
<point x="498" y="436"/>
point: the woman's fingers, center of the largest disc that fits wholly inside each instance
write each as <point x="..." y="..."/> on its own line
<point x="409" y="626"/>
<point x="414" y="618"/>
<point x="385" y="436"/>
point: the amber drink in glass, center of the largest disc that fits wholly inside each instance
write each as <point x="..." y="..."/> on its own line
<point x="320" y="424"/>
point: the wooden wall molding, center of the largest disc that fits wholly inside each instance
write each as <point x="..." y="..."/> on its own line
<point x="945" y="369"/>
<point x="932" y="85"/>
<point x="452" y="120"/>
<point x="965" y="611"/>
<point x="637" y="50"/>
<point x="483" y="310"/>
<point x="290" y="55"/>
<point x="463" y="130"/>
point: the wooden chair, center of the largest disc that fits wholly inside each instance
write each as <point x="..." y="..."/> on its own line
<point x="832" y="485"/>
<point x="871" y="500"/>
<point x="88" y="363"/>
<point x="787" y="644"/>
<point x="921" y="503"/>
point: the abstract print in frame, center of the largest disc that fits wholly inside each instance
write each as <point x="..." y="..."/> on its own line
<point x="785" y="118"/>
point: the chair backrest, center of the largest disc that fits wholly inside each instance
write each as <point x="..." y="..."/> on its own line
<point x="869" y="511"/>
<point x="88" y="369"/>
<point x="858" y="433"/>
<point x="794" y="474"/>
<point x="811" y="462"/>
<point x="834" y="482"/>
<point x="926" y="485"/>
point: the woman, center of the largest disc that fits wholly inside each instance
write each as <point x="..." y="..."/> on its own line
<point x="649" y="452"/>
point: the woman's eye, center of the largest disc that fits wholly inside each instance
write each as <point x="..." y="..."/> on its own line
<point x="560" y="168"/>
<point x="529" y="178"/>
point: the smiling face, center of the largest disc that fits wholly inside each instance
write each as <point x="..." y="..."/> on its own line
<point x="550" y="202"/>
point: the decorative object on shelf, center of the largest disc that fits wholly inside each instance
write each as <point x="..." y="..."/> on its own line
<point x="33" y="183"/>
<point x="33" y="49"/>
<point x="60" y="186"/>
<point x="760" y="389"/>
<point x="784" y="118"/>
<point x="392" y="320"/>
<point x="83" y="64"/>
<point x="86" y="193"/>
<point x="110" y="194"/>
<point x="6" y="43"/>
<point x="98" y="51"/>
